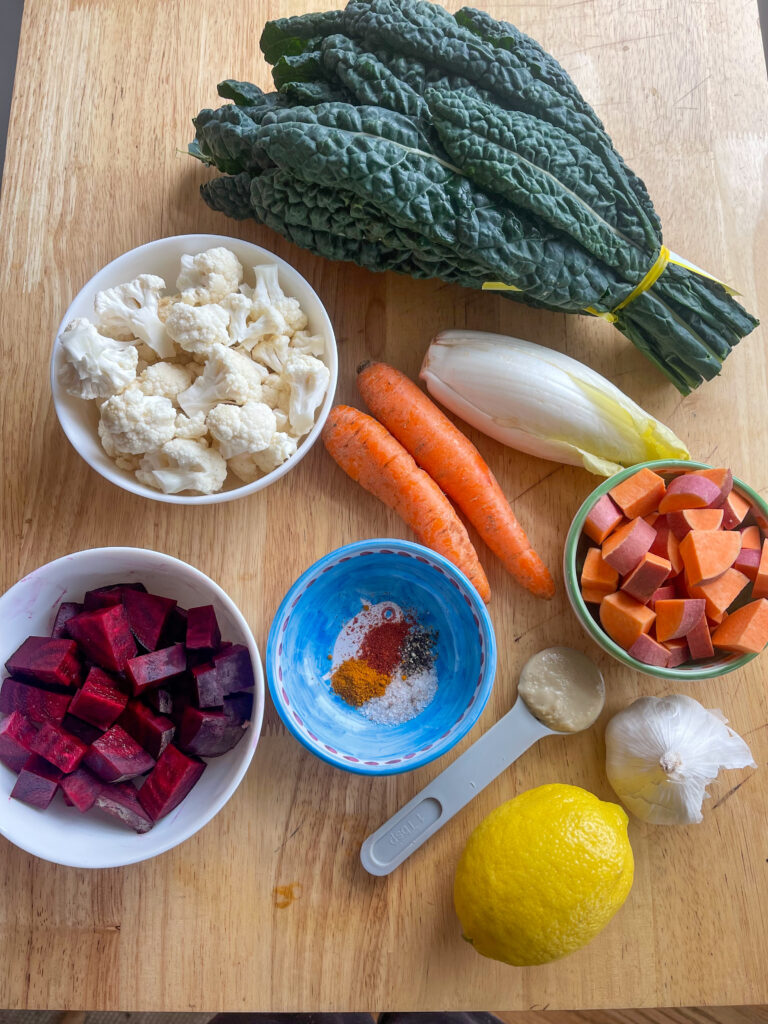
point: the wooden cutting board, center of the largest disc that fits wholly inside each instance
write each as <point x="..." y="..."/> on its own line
<point x="268" y="907"/>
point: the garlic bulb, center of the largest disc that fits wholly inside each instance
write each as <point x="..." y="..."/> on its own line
<point x="662" y="752"/>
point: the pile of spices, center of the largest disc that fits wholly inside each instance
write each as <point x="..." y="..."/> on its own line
<point x="356" y="682"/>
<point x="384" y="664"/>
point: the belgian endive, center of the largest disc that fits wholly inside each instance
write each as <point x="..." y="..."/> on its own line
<point x="543" y="402"/>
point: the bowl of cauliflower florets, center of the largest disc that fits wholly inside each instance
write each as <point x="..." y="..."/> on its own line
<point x="194" y="369"/>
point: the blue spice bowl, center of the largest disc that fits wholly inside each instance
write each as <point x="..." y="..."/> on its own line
<point x="331" y="593"/>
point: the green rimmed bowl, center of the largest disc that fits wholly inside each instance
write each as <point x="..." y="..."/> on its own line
<point x="576" y="544"/>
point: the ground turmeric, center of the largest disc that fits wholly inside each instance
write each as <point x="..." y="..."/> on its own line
<point x="356" y="682"/>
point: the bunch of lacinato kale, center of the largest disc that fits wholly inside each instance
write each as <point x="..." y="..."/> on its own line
<point x="402" y="137"/>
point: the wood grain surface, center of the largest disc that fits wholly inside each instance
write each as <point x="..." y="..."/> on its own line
<point x="101" y="116"/>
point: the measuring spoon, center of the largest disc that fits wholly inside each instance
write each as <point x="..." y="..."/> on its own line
<point x="387" y="847"/>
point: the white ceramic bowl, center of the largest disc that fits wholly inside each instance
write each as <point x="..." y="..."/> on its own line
<point x="62" y="834"/>
<point x="79" y="418"/>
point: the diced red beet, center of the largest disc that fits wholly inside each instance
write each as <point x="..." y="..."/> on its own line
<point x="80" y="789"/>
<point x="234" y="668"/>
<point x="175" y="631"/>
<point x="202" y="629"/>
<point x="37" y="783"/>
<point x="67" y="610"/>
<point x="169" y="782"/>
<point x="208" y="693"/>
<point x="46" y="659"/>
<point x="153" y="732"/>
<point x="208" y="733"/>
<point x="156" y="667"/>
<point x="159" y="699"/>
<point x="104" y="636"/>
<point x="147" y="614"/>
<point x="66" y="799"/>
<point x="16" y="735"/>
<point x="83" y="730"/>
<point x="699" y="641"/>
<point x="99" y="701"/>
<point x="106" y="597"/>
<point x="59" y="747"/>
<point x="34" y="702"/>
<point x="116" y="756"/>
<point x="239" y="706"/>
<point x="122" y="802"/>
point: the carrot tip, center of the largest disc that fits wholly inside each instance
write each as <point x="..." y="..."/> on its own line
<point x="363" y="365"/>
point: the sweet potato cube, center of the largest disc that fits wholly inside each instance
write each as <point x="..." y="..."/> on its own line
<point x="104" y="636"/>
<point x="639" y="494"/>
<point x="760" y="586"/>
<point x="156" y="667"/>
<point x="151" y="731"/>
<point x="46" y="659"/>
<point x="707" y="554"/>
<point x="678" y="617"/>
<point x="720" y="594"/>
<point x="16" y="736"/>
<point x="678" y="652"/>
<point x="650" y="652"/>
<point x="592" y="596"/>
<point x="208" y="733"/>
<point x="67" y="610"/>
<point x="646" y="578"/>
<point x="99" y="701"/>
<point x="596" y="574"/>
<point x="234" y="669"/>
<point x="116" y="756"/>
<point x="80" y="789"/>
<point x="603" y="518"/>
<point x="58" y="747"/>
<point x="624" y="619"/>
<point x="689" y="490"/>
<point x="37" y="782"/>
<point x="751" y="537"/>
<point x="122" y="803"/>
<point x="627" y="545"/>
<point x="748" y="562"/>
<point x="689" y="519"/>
<point x="169" y="782"/>
<point x="666" y="593"/>
<point x="721" y="478"/>
<point x="745" y="631"/>
<point x="148" y="615"/>
<point x="666" y="545"/>
<point x="35" y="703"/>
<point x="202" y="629"/>
<point x="699" y="641"/>
<point x="735" y="509"/>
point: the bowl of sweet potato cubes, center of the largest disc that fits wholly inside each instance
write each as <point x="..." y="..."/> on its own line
<point x="666" y="567"/>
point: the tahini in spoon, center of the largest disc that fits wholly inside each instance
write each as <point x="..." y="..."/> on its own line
<point x="561" y="691"/>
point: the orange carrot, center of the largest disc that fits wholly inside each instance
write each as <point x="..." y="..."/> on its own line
<point x="456" y="466"/>
<point x="368" y="453"/>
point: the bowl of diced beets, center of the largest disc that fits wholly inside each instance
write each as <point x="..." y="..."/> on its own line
<point x="130" y="706"/>
<point x="666" y="567"/>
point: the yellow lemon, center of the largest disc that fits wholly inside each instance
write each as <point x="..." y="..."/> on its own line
<point x="543" y="874"/>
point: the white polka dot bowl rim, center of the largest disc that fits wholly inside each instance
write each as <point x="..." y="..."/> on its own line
<point x="79" y="418"/>
<point x="62" y="834"/>
<point x="329" y="594"/>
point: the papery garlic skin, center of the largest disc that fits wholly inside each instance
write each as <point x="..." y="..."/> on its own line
<point x="661" y="754"/>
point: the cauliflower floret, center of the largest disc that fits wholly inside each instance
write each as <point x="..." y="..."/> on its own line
<point x="209" y="276"/>
<point x="228" y="377"/>
<point x="268" y="293"/>
<point x="182" y="465"/>
<point x="165" y="379"/>
<point x="272" y="351"/>
<point x="248" y="324"/>
<point x="132" y="423"/>
<point x="253" y="465"/>
<point x="164" y="305"/>
<point x="130" y="310"/>
<point x="241" y="429"/>
<point x="95" y="366"/>
<point x="308" y="379"/>
<point x="128" y="462"/>
<point x="198" y="328"/>
<point x="191" y="427"/>
<point x="281" y="420"/>
<point x="147" y="355"/>
<point x="309" y="344"/>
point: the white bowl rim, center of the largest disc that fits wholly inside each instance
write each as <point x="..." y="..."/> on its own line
<point x="254" y="728"/>
<point x="124" y="480"/>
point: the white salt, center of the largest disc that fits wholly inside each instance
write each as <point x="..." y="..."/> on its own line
<point x="403" y="698"/>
